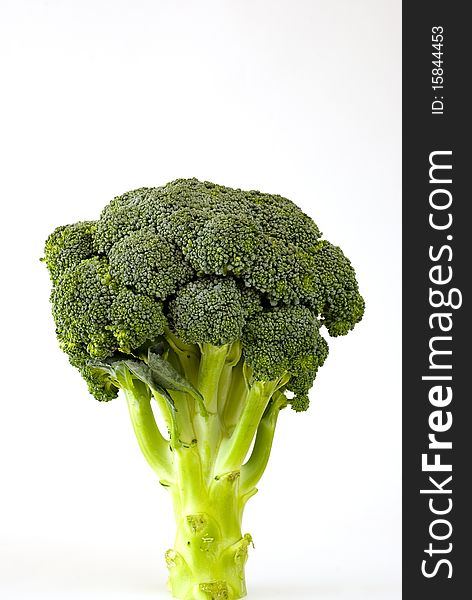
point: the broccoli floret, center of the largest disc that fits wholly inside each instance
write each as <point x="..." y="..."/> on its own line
<point x="149" y="264"/>
<point x="337" y="300"/>
<point x="208" y="311"/>
<point x="135" y="319"/>
<point x="121" y="217"/>
<point x="226" y="244"/>
<point x="81" y="302"/>
<point x="67" y="246"/>
<point x="97" y="317"/>
<point x="99" y="382"/>
<point x="212" y="302"/>
<point x="285" y="341"/>
<point x="284" y="273"/>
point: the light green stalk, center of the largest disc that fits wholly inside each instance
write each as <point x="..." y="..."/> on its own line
<point x="253" y="469"/>
<point x="234" y="449"/>
<point x="154" y="446"/>
<point x="202" y="463"/>
<point x="209" y="428"/>
<point x="209" y="552"/>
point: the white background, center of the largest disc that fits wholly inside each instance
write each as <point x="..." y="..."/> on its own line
<point x="293" y="97"/>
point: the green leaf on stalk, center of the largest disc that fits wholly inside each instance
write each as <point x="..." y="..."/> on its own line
<point x="143" y="372"/>
<point x="165" y="375"/>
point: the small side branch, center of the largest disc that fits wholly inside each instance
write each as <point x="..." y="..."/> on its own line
<point x="253" y="469"/>
<point x="188" y="355"/>
<point x="152" y="443"/>
<point x="233" y="450"/>
<point x="236" y="397"/>
<point x="168" y="413"/>
<point x="212" y="362"/>
<point x="207" y="426"/>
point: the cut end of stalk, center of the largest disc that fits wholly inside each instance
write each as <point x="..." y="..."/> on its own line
<point x="215" y="590"/>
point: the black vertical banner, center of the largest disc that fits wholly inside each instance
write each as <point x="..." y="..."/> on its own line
<point x="437" y="324"/>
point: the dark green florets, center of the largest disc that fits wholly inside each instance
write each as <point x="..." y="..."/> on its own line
<point x="67" y="246"/>
<point x="283" y="341"/>
<point x="284" y="273"/>
<point x="211" y="263"/>
<point x="95" y="318"/>
<point x="282" y="220"/>
<point x="121" y="217"/>
<point x="226" y="244"/>
<point x="208" y="311"/>
<point x="337" y="297"/>
<point x="304" y="374"/>
<point x="149" y="264"/>
<point x="135" y="319"/>
<point x="98" y="382"/>
<point x="81" y="302"/>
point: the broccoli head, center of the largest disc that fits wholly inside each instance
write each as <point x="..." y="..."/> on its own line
<point x="185" y="256"/>
<point x="213" y="302"/>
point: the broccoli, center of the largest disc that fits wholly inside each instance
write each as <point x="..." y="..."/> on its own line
<point x="208" y="303"/>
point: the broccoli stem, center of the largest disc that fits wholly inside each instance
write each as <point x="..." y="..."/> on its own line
<point x="184" y="416"/>
<point x="253" y="469"/>
<point x="187" y="354"/>
<point x="208" y="428"/>
<point x="169" y="417"/>
<point x="211" y="366"/>
<point x="236" y="397"/>
<point x="210" y="552"/>
<point x="234" y="449"/>
<point x="202" y="463"/>
<point x="152" y="443"/>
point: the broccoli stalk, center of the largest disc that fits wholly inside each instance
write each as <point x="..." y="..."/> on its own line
<point x="202" y="461"/>
<point x="206" y="304"/>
